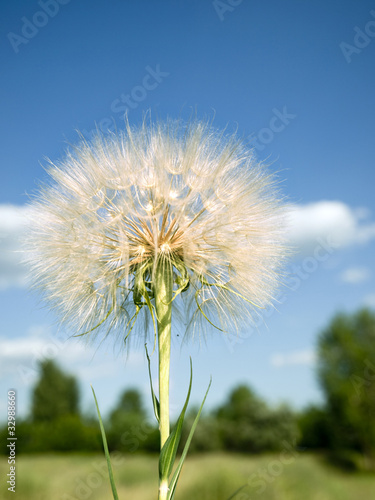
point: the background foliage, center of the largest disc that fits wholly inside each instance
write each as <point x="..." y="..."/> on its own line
<point x="344" y="426"/>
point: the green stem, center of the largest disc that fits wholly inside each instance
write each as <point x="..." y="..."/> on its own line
<point x="163" y="291"/>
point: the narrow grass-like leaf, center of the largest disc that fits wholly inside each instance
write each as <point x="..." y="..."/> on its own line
<point x="105" y="445"/>
<point x="237" y="491"/>
<point x="201" y="310"/>
<point x="176" y="475"/>
<point x="155" y="401"/>
<point x="183" y="280"/>
<point x="224" y="287"/>
<point x="97" y="326"/>
<point x="169" y="450"/>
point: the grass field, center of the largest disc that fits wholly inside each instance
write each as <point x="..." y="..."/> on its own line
<point x="204" y="477"/>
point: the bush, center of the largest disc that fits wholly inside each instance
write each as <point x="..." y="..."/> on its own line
<point x="315" y="425"/>
<point x="247" y="424"/>
<point x="68" y="433"/>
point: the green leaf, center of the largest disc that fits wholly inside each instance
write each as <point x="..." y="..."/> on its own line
<point x="169" y="450"/>
<point x="140" y="291"/>
<point x="151" y="308"/>
<point x="176" y="475"/>
<point x="155" y="401"/>
<point x="139" y="286"/>
<point x="105" y="445"/>
<point x="183" y="281"/>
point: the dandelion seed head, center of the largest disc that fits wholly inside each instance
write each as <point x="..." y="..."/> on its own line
<point x="181" y="194"/>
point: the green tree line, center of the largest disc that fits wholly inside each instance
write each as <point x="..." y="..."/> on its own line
<point x="344" y="426"/>
<point x="243" y="423"/>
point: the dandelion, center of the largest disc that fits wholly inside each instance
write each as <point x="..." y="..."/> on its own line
<point x="164" y="216"/>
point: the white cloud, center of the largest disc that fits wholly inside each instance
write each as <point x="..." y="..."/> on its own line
<point x="355" y="275"/>
<point x="369" y="300"/>
<point x="331" y="221"/>
<point x="12" y="226"/>
<point x="306" y="357"/>
<point x="20" y="356"/>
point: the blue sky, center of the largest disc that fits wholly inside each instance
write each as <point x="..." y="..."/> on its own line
<point x="297" y="81"/>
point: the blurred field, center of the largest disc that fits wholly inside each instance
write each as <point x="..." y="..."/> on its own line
<point x="204" y="477"/>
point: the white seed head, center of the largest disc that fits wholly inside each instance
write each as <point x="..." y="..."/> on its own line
<point x="124" y="202"/>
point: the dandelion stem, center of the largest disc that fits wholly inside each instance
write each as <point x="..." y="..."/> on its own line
<point x="163" y="290"/>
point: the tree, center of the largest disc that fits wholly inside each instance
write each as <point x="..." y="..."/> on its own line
<point x="55" y="413"/>
<point x="207" y="435"/>
<point x="346" y="370"/>
<point x="130" y="402"/>
<point x="129" y="429"/>
<point x="247" y="423"/>
<point x="315" y="426"/>
<point x="55" y="394"/>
